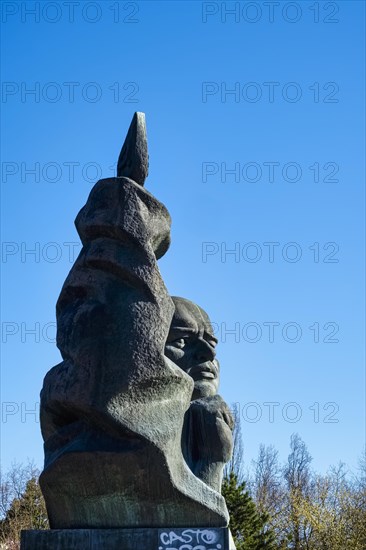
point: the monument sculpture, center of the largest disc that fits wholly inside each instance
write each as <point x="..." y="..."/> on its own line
<point x="135" y="434"/>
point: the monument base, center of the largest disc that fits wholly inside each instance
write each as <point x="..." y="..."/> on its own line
<point x="128" y="539"/>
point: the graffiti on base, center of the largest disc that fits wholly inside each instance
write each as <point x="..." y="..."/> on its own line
<point x="191" y="539"/>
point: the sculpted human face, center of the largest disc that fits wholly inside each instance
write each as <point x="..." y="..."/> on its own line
<point x="191" y="346"/>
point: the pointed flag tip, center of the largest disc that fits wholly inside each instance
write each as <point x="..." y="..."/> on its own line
<point x="133" y="161"/>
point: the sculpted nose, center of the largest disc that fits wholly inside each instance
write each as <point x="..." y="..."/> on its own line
<point x="204" y="352"/>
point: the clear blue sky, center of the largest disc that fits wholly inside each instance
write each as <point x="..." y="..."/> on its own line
<point x="292" y="129"/>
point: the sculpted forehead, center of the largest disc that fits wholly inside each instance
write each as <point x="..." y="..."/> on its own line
<point x="188" y="314"/>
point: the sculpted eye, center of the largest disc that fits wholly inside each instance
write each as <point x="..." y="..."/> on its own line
<point x="180" y="342"/>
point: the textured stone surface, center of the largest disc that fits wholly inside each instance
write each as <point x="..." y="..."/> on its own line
<point x="134" y="433"/>
<point x="127" y="539"/>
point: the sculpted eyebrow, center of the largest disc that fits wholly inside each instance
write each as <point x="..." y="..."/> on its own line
<point x="183" y="329"/>
<point x="176" y="332"/>
<point x="210" y="336"/>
